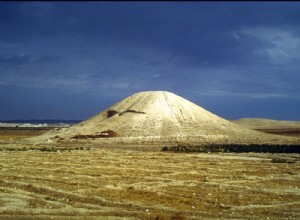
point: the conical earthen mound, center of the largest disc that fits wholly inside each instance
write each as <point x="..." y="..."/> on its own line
<point x="156" y="114"/>
<point x="157" y="117"/>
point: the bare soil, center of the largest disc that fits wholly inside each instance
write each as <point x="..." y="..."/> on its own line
<point x="281" y="131"/>
<point x="16" y="133"/>
<point x="129" y="183"/>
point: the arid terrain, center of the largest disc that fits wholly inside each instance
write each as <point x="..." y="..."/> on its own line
<point x="86" y="182"/>
<point x="120" y="164"/>
<point x="286" y="128"/>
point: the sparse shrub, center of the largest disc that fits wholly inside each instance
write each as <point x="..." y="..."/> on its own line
<point x="165" y="148"/>
<point x="282" y="160"/>
<point x="163" y="216"/>
<point x="50" y="198"/>
<point x="236" y="148"/>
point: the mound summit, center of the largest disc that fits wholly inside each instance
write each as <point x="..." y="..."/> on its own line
<point x="158" y="118"/>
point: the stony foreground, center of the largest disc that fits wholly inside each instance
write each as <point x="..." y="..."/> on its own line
<point x="108" y="183"/>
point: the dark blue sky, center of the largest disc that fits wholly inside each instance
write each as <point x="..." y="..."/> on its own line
<point x="71" y="60"/>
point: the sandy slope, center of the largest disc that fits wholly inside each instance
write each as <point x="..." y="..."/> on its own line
<point x="161" y="118"/>
<point x="266" y="123"/>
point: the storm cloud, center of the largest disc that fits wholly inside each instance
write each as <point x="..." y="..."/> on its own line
<point x="229" y="57"/>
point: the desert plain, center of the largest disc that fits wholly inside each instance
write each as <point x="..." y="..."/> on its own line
<point x="92" y="182"/>
<point x="71" y="173"/>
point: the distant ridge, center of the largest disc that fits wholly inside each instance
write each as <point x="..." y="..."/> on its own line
<point x="255" y="123"/>
<point x="42" y="121"/>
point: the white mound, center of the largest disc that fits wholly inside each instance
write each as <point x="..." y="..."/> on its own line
<point x="157" y="117"/>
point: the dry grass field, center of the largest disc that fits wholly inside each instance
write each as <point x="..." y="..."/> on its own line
<point x="112" y="183"/>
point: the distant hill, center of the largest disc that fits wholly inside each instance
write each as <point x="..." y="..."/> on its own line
<point x="158" y="118"/>
<point x="259" y="123"/>
<point x="42" y="121"/>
